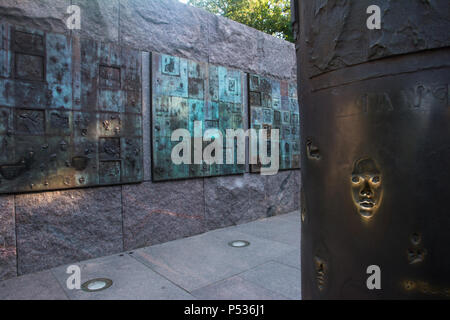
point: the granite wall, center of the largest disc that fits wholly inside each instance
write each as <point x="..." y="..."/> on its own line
<point x="43" y="230"/>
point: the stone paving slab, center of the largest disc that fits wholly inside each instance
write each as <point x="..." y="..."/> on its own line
<point x="200" y="267"/>
<point x="37" y="286"/>
<point x="291" y="217"/>
<point x="236" y="288"/>
<point x="275" y="229"/>
<point x="276" y="277"/>
<point x="192" y="263"/>
<point x="291" y="259"/>
<point x="131" y="281"/>
<point x="202" y="260"/>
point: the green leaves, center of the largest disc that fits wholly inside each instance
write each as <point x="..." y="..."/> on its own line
<point x="270" y="16"/>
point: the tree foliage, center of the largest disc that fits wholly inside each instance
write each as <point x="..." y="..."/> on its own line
<point x="270" y="16"/>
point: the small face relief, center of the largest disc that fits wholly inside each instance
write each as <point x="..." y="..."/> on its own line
<point x="366" y="187"/>
<point x="303" y="205"/>
<point x="312" y="151"/>
<point x="417" y="253"/>
<point x="321" y="272"/>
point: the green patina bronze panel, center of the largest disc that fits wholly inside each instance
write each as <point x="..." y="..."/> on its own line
<point x="273" y="104"/>
<point x="184" y="92"/>
<point x="70" y="112"/>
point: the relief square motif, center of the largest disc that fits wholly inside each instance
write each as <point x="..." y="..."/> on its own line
<point x="70" y="112"/>
<point x="186" y="91"/>
<point x="273" y="105"/>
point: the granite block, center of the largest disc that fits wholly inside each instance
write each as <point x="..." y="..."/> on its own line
<point x="159" y="212"/>
<point x="56" y="228"/>
<point x="8" y="252"/>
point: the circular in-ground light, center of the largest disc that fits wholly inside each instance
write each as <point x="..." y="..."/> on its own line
<point x="96" y="285"/>
<point x="239" y="243"/>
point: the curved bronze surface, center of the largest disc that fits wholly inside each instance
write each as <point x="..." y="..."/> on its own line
<point x="375" y="129"/>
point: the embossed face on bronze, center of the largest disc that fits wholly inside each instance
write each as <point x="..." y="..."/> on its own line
<point x="366" y="187"/>
<point x="321" y="268"/>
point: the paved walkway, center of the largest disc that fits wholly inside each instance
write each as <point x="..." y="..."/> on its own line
<point x="200" y="267"/>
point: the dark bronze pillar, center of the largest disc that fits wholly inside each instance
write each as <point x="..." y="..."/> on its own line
<point x="375" y="126"/>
